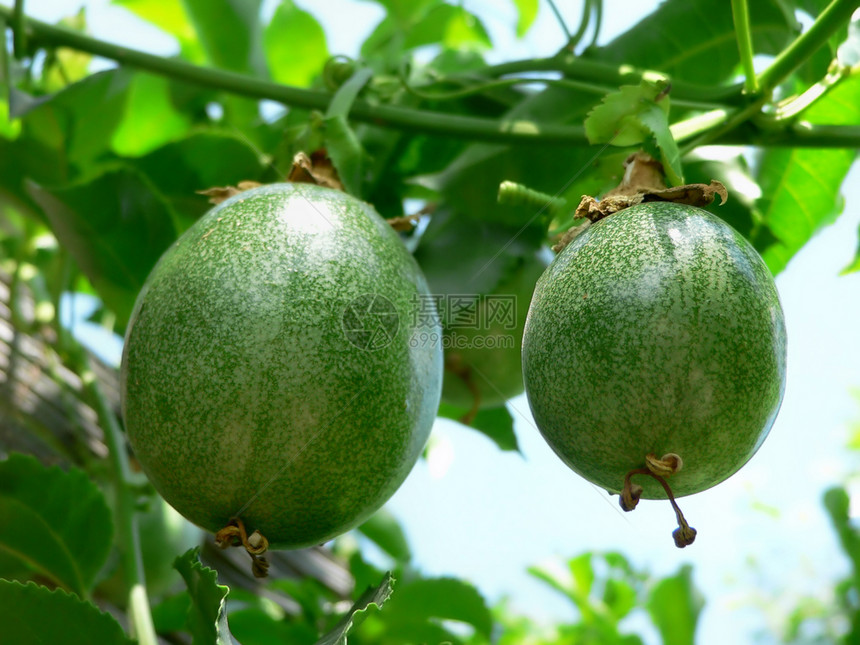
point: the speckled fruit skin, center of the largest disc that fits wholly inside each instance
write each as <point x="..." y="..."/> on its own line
<point x="492" y="350"/>
<point x="245" y="389"/>
<point x="657" y="330"/>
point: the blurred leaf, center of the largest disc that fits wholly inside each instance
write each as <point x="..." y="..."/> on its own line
<point x="414" y="613"/>
<point x="150" y="119"/>
<point x="551" y="580"/>
<point x="115" y="226"/>
<point x="854" y="266"/>
<point x="229" y="31"/>
<point x="453" y="27"/>
<point x="527" y="12"/>
<point x="617" y="119"/>
<point x="197" y="162"/>
<point x="171" y="17"/>
<point x="619" y="597"/>
<point x="838" y="503"/>
<point x="64" y="66"/>
<point x="33" y="614"/>
<point x="373" y="596"/>
<point x="80" y="120"/>
<point x="496" y="423"/>
<point x="253" y="626"/>
<point x="582" y="573"/>
<point x="385" y="531"/>
<point x="801" y="186"/>
<point x="207" y="613"/>
<point x="674" y="605"/>
<point x="295" y="46"/>
<point x="486" y="252"/>
<point x="56" y="521"/>
<point x="406" y="12"/>
<point x="342" y="145"/>
<point x="170" y="614"/>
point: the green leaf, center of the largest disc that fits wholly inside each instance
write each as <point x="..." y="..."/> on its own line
<point x="80" y="120"/>
<point x="407" y="12"/>
<point x="150" y="119"/>
<point x="617" y="119"/>
<point x="415" y="610"/>
<point x="527" y="12"/>
<point x="33" y="615"/>
<point x="373" y="596"/>
<point x="180" y="169"/>
<point x="115" y="226"/>
<point x="63" y="65"/>
<point x="295" y="46"/>
<point x="385" y="531"/>
<point x="170" y="614"/>
<point x="172" y="18"/>
<point x="695" y="40"/>
<point x="207" y="614"/>
<point x="486" y="252"/>
<point x="550" y="580"/>
<point x="674" y="605"/>
<point x="57" y="521"/>
<point x="582" y="573"/>
<point x="254" y="626"/>
<point x="342" y="145"/>
<point x="619" y="597"/>
<point x="801" y="186"/>
<point x="657" y="122"/>
<point x="837" y="504"/>
<point x="229" y="31"/>
<point x="496" y="423"/>
<point x="453" y="27"/>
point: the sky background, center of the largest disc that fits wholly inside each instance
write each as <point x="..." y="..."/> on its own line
<point x="474" y="512"/>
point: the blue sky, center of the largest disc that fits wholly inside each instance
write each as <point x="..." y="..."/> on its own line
<point x="476" y="513"/>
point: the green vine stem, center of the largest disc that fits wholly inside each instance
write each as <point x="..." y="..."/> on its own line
<point x="741" y="17"/>
<point x="486" y="86"/>
<point x="837" y="14"/>
<point x="19" y="35"/>
<point x="560" y="19"/>
<point x="614" y="75"/>
<point x="484" y="129"/>
<point x="140" y="616"/>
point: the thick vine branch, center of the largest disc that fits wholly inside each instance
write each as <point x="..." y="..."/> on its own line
<point x="837" y="14"/>
<point x="401" y="118"/>
<point x="507" y="131"/>
<point x="741" y="16"/>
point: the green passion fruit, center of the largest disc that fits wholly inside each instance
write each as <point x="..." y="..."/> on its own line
<point x="268" y="373"/>
<point x="656" y="332"/>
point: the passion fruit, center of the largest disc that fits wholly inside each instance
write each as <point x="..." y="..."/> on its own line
<point x="268" y="373"/>
<point x="657" y="331"/>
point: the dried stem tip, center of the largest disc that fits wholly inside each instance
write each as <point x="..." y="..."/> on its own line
<point x="256" y="545"/>
<point x="668" y="464"/>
